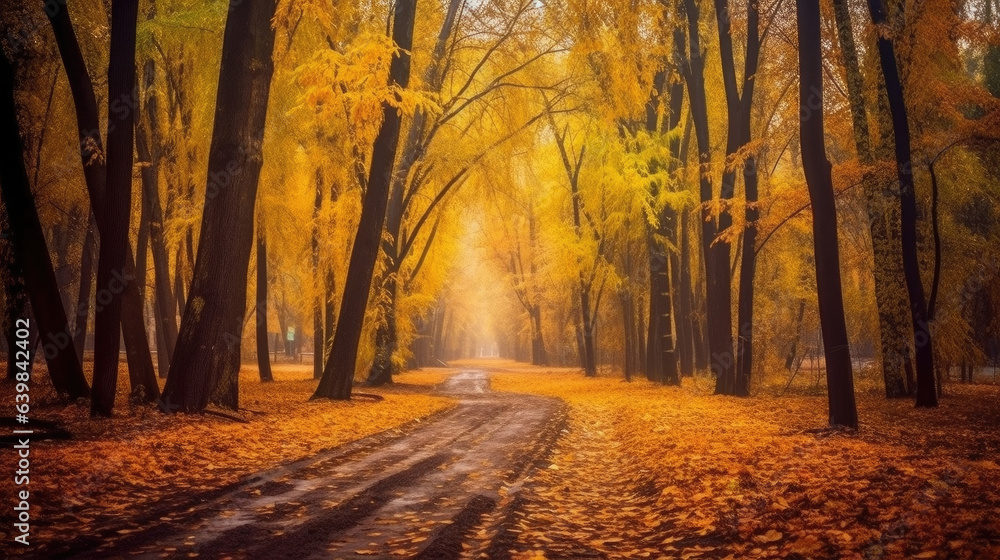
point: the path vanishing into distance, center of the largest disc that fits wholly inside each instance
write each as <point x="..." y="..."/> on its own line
<point x="444" y="489"/>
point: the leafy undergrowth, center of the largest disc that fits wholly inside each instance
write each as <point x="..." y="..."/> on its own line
<point x="123" y="465"/>
<point x="649" y="471"/>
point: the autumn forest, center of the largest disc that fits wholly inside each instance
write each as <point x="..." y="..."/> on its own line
<point x="500" y="278"/>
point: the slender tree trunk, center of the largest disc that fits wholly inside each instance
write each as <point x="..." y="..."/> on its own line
<point x="719" y="355"/>
<point x="748" y="263"/>
<point x="413" y="150"/>
<point x="330" y="314"/>
<point x="148" y="149"/>
<point x="840" y="380"/>
<point x="30" y="252"/>
<point x="338" y="375"/>
<point x="263" y="358"/>
<point x="926" y="393"/>
<point x="668" y="356"/>
<point x="133" y="328"/>
<point x="748" y="269"/>
<point x="538" y="355"/>
<point x="318" y="308"/>
<point x="16" y="305"/>
<point x="888" y="274"/>
<point x="385" y="337"/>
<point x="118" y="206"/>
<point x="206" y="361"/>
<point x="794" y="350"/>
<point x="685" y="322"/>
<point x="86" y="284"/>
<point x="628" y="321"/>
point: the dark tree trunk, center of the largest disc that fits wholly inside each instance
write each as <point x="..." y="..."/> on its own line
<point x="30" y="252"/>
<point x="926" y="393"/>
<point x="16" y="305"/>
<point x="86" y="284"/>
<point x="538" y="355"/>
<point x="682" y="280"/>
<point x="318" y="308"/>
<point x="330" y="313"/>
<point x="263" y="358"/>
<point x="654" y="368"/>
<point x="660" y="276"/>
<point x="118" y="206"/>
<point x="179" y="284"/>
<point x="890" y="301"/>
<point x="338" y="375"/>
<point x="748" y="263"/>
<point x="840" y="380"/>
<point x="133" y="328"/>
<point x="386" y="339"/>
<point x="794" y="350"/>
<point x="148" y="149"/>
<point x="719" y="354"/>
<point x="206" y="361"/>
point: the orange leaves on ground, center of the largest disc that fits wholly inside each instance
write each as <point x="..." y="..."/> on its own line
<point x="650" y="471"/>
<point x="120" y="466"/>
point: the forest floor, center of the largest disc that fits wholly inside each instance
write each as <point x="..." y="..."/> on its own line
<point x="654" y="472"/>
<point x="140" y="460"/>
<point x="621" y="470"/>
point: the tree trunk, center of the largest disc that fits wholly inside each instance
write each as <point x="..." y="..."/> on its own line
<point x="86" y="284"/>
<point x="318" y="308"/>
<point x="748" y="263"/>
<point x="538" y="355"/>
<point x="926" y="393"/>
<point x="668" y="357"/>
<point x="888" y="271"/>
<point x="133" y="328"/>
<point x="840" y="380"/>
<point x="330" y="311"/>
<point x="338" y="375"/>
<point x="148" y="149"/>
<point x="118" y="207"/>
<point x="794" y="350"/>
<point x="16" y="305"/>
<point x="682" y="280"/>
<point x="206" y="361"/>
<point x="385" y="337"/>
<point x="413" y="150"/>
<point x="30" y="251"/>
<point x="719" y="354"/>
<point x="263" y="359"/>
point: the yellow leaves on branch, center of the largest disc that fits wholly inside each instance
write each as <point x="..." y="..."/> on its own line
<point x="353" y="85"/>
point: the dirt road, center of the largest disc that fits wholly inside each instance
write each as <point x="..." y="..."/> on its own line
<point x="446" y="489"/>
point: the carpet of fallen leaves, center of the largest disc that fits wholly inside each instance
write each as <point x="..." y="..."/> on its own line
<point x="650" y="471"/>
<point x="121" y="466"/>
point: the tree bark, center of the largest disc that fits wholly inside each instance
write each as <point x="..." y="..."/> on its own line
<point x="719" y="337"/>
<point x="748" y="263"/>
<point x="318" y="307"/>
<point x="148" y="149"/>
<point x="30" y="251"/>
<point x="338" y="375"/>
<point x="140" y="361"/>
<point x="118" y="206"/>
<point x="206" y="361"/>
<point x="263" y="357"/>
<point x="840" y="380"/>
<point x="888" y="273"/>
<point x="86" y="284"/>
<point x="386" y="339"/>
<point x="926" y="392"/>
